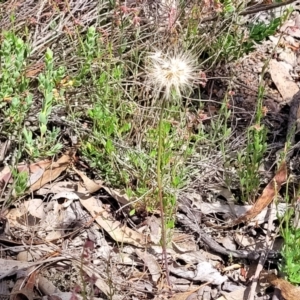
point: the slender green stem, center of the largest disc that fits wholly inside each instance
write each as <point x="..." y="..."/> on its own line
<point x="160" y="190"/>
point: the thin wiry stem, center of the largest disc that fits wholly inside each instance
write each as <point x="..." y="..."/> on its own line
<point x="160" y="191"/>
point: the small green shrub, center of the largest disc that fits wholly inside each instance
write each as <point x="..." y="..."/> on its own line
<point x="290" y="265"/>
<point x="46" y="143"/>
<point x="15" y="98"/>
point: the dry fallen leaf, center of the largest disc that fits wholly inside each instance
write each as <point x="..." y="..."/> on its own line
<point x="11" y="267"/>
<point x="90" y="185"/>
<point x="291" y="28"/>
<point x="220" y="207"/>
<point x="151" y="263"/>
<point x="153" y="227"/>
<point x="52" y="172"/>
<point x="34" y="170"/>
<point x="118" y="232"/>
<point x="283" y="80"/>
<point x="120" y="196"/>
<point x="92" y="272"/>
<point x="203" y="272"/>
<point x="288" y="291"/>
<point x="56" y="187"/>
<point x="93" y="186"/>
<point x="267" y="196"/>
<point x="35" y="207"/>
<point x="185" y="295"/>
<point x="235" y="295"/>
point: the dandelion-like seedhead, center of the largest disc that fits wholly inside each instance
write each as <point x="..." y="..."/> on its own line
<point x="169" y="73"/>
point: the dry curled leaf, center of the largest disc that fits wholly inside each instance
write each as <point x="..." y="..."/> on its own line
<point x="204" y="272"/>
<point x="288" y="291"/>
<point x="234" y="295"/>
<point x="52" y="172"/>
<point x="118" y="195"/>
<point x="35" y="171"/>
<point x="267" y="196"/>
<point x="283" y="80"/>
<point x="118" y="232"/>
<point x="90" y="185"/>
<point x="185" y="295"/>
<point x="152" y="264"/>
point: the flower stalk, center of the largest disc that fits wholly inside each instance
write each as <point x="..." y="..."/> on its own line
<point x="160" y="191"/>
<point x="170" y="75"/>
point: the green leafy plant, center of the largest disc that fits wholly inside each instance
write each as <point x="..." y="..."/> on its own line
<point x="290" y="231"/>
<point x="232" y="41"/>
<point x="108" y="123"/>
<point x="228" y="6"/>
<point x="260" y="31"/>
<point x="291" y="254"/>
<point x="250" y="160"/>
<point x="220" y="131"/>
<point x="90" y="50"/>
<point x="20" y="180"/>
<point x="15" y="99"/>
<point x="46" y="144"/>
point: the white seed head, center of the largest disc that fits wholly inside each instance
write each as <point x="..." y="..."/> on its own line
<point x="167" y="73"/>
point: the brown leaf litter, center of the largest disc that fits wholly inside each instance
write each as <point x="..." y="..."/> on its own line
<point x="268" y="194"/>
<point x="288" y="291"/>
